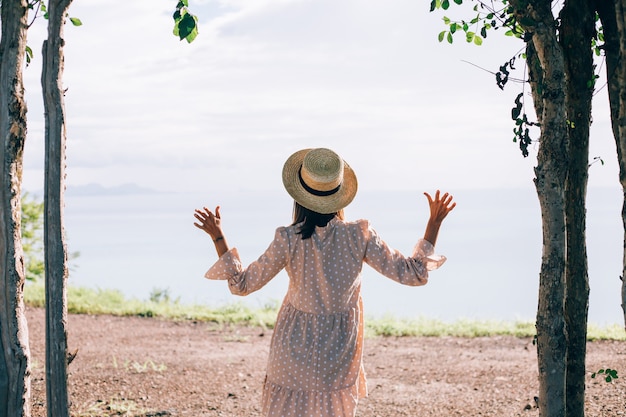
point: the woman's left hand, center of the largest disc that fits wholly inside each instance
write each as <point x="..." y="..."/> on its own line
<point x="440" y="207"/>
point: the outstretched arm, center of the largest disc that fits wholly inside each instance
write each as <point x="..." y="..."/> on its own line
<point x="440" y="206"/>
<point x="211" y="223"/>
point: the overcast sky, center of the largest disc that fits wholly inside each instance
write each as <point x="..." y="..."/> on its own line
<point x="265" y="78"/>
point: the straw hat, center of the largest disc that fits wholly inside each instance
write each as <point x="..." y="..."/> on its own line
<point x="319" y="180"/>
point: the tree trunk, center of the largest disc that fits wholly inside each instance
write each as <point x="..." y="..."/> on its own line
<point x="537" y="19"/>
<point x="620" y="122"/>
<point x="15" y="352"/>
<point x="54" y="236"/>
<point x="612" y="15"/>
<point x="576" y="31"/>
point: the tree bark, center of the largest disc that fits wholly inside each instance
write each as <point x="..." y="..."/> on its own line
<point x="620" y="122"/>
<point x="537" y="19"/>
<point x="612" y="15"/>
<point x="15" y="351"/>
<point x="576" y="31"/>
<point x="54" y="234"/>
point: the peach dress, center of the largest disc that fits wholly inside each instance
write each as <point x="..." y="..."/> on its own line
<point x="315" y="366"/>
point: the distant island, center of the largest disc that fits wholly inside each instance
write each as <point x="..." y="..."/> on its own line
<point x="94" y="189"/>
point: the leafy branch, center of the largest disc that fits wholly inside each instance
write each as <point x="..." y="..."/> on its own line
<point x="596" y="159"/>
<point x="40" y="9"/>
<point x="493" y="15"/>
<point x="609" y="374"/>
<point x="522" y="125"/>
<point x="185" y="23"/>
<point x="487" y="17"/>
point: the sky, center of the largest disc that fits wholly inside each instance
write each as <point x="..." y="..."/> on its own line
<point x="217" y="118"/>
<point x="265" y="78"/>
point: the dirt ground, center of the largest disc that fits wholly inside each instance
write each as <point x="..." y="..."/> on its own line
<point x="146" y="367"/>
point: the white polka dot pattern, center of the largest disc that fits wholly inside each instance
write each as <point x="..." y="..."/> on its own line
<point x="315" y="363"/>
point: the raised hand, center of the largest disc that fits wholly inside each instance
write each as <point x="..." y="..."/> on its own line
<point x="211" y="223"/>
<point x="440" y="207"/>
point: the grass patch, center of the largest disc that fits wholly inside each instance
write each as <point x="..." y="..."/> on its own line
<point x="392" y="326"/>
<point x="139" y="367"/>
<point x="83" y="300"/>
<point x="611" y="332"/>
<point x="114" y="407"/>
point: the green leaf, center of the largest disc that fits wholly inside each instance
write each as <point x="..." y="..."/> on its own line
<point x="187" y="27"/>
<point x="610" y="374"/>
<point x="517" y="110"/>
<point x="453" y="28"/>
<point x="469" y="37"/>
<point x="450" y="40"/>
<point x="458" y="1"/>
<point x="76" y="21"/>
<point x="441" y="36"/>
<point x="478" y="40"/>
<point x="445" y="4"/>
<point x="446" y="20"/>
<point x="192" y="36"/>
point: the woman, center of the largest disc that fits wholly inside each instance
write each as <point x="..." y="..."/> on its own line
<point x="315" y="364"/>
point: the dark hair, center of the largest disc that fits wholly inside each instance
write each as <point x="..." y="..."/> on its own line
<point x="310" y="219"/>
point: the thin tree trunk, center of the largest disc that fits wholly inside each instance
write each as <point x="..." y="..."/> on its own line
<point x="15" y="353"/>
<point x="612" y="15"/>
<point x="536" y="17"/>
<point x="620" y="121"/>
<point x="54" y="236"/>
<point x="576" y="31"/>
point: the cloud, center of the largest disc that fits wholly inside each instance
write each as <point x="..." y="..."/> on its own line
<point x="267" y="77"/>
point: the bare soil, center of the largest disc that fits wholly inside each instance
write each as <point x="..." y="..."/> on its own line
<point x="143" y="367"/>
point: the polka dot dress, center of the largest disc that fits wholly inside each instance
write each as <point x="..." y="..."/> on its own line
<point x="315" y="362"/>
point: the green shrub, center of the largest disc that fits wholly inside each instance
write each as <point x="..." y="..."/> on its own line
<point x="83" y="300"/>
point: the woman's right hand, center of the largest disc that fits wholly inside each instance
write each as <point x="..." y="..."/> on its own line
<point x="210" y="222"/>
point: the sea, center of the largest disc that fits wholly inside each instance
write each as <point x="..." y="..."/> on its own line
<point x="141" y="241"/>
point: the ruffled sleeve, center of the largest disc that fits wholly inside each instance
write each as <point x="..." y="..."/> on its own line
<point x="425" y="251"/>
<point x="243" y="281"/>
<point x="412" y="270"/>
<point x="227" y="266"/>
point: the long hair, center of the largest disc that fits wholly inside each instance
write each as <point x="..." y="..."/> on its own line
<point x="310" y="219"/>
